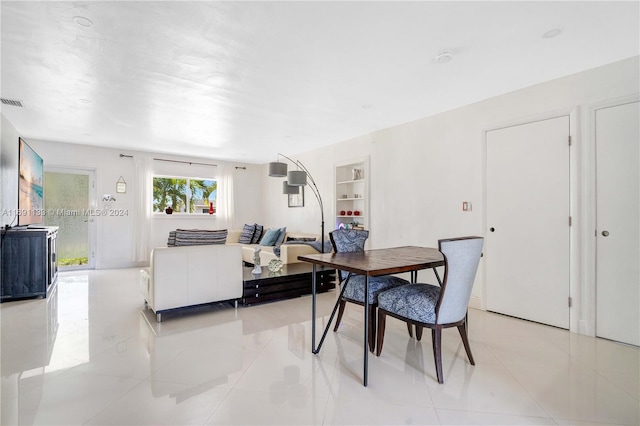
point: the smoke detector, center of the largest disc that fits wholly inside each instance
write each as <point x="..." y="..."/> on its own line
<point x="444" y="56"/>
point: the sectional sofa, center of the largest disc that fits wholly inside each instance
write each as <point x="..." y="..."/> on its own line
<point x="206" y="266"/>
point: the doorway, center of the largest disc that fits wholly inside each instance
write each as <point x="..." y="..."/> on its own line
<point x="528" y="221"/>
<point x="67" y="201"/>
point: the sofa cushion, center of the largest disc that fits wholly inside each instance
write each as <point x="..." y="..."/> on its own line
<point x="247" y="234"/>
<point x="281" y="235"/>
<point x="257" y="234"/>
<point x="270" y="237"/>
<point x="192" y="237"/>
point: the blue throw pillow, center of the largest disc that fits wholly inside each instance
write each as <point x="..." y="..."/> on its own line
<point x="281" y="236"/>
<point x="270" y="237"/>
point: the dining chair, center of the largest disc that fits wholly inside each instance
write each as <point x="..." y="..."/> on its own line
<point x="352" y="241"/>
<point x="434" y="307"/>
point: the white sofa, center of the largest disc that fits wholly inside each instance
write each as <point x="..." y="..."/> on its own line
<point x="288" y="252"/>
<point x="185" y="276"/>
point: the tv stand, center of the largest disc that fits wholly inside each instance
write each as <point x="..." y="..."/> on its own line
<point x="29" y="260"/>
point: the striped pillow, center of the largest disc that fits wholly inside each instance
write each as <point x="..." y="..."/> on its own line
<point x="247" y="234"/>
<point x="257" y="234"/>
<point x="192" y="237"/>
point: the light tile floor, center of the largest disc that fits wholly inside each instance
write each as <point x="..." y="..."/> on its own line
<point x="90" y="354"/>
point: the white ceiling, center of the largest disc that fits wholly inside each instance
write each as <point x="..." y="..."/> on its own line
<point x="245" y="80"/>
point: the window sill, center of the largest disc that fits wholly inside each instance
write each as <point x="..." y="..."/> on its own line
<point x="188" y="216"/>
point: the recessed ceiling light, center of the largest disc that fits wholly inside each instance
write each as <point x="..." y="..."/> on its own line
<point x="444" y="56"/>
<point x="552" y="33"/>
<point x="366" y="106"/>
<point x="86" y="101"/>
<point x="82" y="21"/>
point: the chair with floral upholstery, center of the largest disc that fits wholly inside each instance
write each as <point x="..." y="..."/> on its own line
<point x="426" y="305"/>
<point x="352" y="241"/>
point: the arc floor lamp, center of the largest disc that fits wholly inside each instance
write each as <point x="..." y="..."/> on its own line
<point x="296" y="179"/>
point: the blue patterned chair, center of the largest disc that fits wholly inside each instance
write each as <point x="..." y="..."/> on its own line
<point x="426" y="305"/>
<point x="352" y="241"/>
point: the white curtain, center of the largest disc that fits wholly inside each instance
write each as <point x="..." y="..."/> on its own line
<point x="141" y="224"/>
<point x="225" y="202"/>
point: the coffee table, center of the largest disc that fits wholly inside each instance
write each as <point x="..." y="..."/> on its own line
<point x="293" y="280"/>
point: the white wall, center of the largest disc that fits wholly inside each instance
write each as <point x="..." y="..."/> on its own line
<point x="113" y="234"/>
<point x="421" y="171"/>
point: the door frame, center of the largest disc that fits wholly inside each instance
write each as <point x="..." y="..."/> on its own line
<point x="587" y="324"/>
<point x="92" y="228"/>
<point x="575" y="251"/>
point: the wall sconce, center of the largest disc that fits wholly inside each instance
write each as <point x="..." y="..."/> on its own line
<point x="107" y="200"/>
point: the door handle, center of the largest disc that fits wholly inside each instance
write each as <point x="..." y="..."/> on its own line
<point x="492" y="229"/>
<point x="605" y="233"/>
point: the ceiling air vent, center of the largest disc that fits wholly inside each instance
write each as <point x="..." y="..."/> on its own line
<point x="12" y="102"/>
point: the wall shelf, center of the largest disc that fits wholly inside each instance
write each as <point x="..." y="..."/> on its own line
<point x="351" y="184"/>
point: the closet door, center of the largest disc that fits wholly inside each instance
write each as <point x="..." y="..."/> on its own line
<point x="528" y="239"/>
<point x="618" y="223"/>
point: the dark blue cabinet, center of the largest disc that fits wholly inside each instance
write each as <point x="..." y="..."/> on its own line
<point x="29" y="262"/>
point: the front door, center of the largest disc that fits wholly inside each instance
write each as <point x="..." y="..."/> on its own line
<point x="67" y="204"/>
<point x="528" y="239"/>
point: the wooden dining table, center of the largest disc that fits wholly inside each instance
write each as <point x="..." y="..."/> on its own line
<point x="370" y="263"/>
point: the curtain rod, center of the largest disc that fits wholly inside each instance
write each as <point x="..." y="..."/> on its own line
<point x="175" y="161"/>
<point x="185" y="162"/>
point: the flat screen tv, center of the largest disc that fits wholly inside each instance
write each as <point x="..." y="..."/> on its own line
<point x="30" y="190"/>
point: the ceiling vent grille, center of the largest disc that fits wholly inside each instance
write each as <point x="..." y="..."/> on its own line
<point x="12" y="102"/>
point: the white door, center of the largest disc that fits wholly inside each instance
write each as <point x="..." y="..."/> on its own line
<point x="618" y="223"/>
<point x="528" y="207"/>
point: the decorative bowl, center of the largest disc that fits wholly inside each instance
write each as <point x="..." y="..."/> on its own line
<point x="275" y="265"/>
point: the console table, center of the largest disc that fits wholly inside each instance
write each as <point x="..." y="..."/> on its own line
<point x="294" y="279"/>
<point x="29" y="262"/>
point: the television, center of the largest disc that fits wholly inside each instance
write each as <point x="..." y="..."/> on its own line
<point x="30" y="186"/>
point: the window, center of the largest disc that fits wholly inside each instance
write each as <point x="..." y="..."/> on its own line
<point x="184" y="195"/>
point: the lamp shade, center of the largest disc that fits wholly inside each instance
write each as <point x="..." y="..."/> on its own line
<point x="289" y="189"/>
<point x="297" y="178"/>
<point x="277" y="169"/>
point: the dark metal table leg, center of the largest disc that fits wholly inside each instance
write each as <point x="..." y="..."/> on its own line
<point x="435" y="271"/>
<point x="333" y="314"/>
<point x="313" y="311"/>
<point x="315" y="349"/>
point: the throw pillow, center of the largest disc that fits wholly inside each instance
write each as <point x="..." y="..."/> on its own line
<point x="257" y="234"/>
<point x="190" y="237"/>
<point x="281" y="236"/>
<point x="270" y="237"/>
<point x="294" y="239"/>
<point x="247" y="234"/>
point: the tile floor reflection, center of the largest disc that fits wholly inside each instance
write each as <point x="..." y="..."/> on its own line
<point x="90" y="354"/>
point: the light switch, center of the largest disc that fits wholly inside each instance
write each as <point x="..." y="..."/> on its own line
<point x="466" y="206"/>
